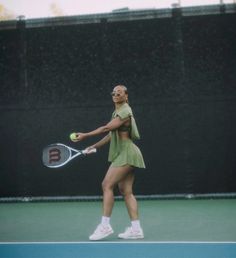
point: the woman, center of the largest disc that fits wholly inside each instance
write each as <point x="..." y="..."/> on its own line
<point x="124" y="156"/>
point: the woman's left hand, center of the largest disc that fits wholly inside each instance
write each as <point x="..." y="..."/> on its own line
<point x="80" y="136"/>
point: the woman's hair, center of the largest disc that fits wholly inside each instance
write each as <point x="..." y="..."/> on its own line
<point x="124" y="87"/>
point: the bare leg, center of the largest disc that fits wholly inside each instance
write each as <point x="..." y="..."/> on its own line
<point x="125" y="187"/>
<point x="124" y="177"/>
<point x="113" y="177"/>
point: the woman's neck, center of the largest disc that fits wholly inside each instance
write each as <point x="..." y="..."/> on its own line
<point x="118" y="105"/>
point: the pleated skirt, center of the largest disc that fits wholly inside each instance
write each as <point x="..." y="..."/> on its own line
<point x="129" y="154"/>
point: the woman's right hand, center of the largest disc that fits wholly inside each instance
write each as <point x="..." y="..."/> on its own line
<point x="90" y="149"/>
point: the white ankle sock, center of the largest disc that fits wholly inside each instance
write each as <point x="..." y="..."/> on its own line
<point x="136" y="225"/>
<point x="105" y="220"/>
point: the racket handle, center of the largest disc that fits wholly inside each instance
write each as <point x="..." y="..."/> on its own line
<point x="89" y="151"/>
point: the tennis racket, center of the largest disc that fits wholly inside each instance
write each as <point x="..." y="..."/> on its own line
<point x="57" y="155"/>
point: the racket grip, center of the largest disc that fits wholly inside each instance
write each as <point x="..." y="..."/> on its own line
<point x="89" y="151"/>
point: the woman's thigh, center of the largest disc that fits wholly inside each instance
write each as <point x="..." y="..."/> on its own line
<point x="115" y="175"/>
<point x="126" y="184"/>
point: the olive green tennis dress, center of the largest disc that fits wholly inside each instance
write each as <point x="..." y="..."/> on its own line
<point x="124" y="151"/>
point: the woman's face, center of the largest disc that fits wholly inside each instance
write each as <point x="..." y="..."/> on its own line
<point x="119" y="95"/>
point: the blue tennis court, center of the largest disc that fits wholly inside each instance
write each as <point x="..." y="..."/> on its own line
<point x="115" y="250"/>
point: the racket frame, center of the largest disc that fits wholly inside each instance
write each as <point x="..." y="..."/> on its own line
<point x="71" y="156"/>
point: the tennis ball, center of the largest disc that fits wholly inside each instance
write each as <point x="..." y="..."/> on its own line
<point x="73" y="136"/>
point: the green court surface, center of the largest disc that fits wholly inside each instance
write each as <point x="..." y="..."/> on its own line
<point x="162" y="220"/>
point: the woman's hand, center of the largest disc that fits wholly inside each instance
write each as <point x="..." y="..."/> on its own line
<point x="90" y="149"/>
<point x="79" y="137"/>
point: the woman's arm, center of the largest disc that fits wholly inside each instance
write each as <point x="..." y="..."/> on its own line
<point x="112" y="125"/>
<point x="100" y="143"/>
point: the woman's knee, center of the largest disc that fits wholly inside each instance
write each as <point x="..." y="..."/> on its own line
<point x="125" y="192"/>
<point x="106" y="185"/>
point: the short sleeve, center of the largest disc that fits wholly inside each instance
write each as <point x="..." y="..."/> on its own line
<point x="124" y="112"/>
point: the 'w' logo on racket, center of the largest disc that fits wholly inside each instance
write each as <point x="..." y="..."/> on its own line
<point x="54" y="155"/>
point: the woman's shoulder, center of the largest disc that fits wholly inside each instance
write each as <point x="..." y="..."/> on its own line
<point x="125" y="106"/>
<point x="123" y="111"/>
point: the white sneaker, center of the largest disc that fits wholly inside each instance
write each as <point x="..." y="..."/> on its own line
<point x="131" y="234"/>
<point x="101" y="232"/>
